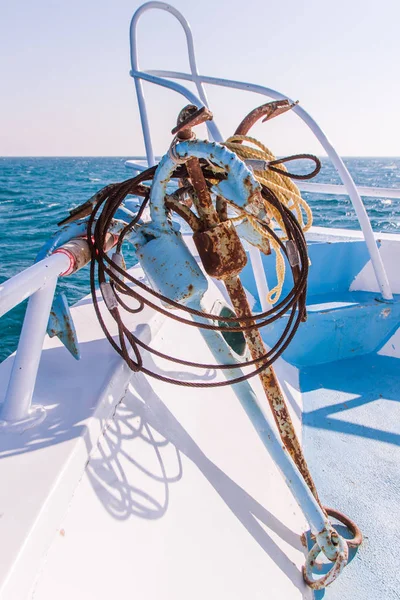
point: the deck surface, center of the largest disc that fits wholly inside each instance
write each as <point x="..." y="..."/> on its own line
<point x="351" y="435"/>
<point x="181" y="500"/>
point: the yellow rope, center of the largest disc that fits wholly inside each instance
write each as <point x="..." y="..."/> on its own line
<point x="287" y="193"/>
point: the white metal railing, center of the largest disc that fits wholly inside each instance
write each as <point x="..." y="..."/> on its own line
<point x="332" y="188"/>
<point x="313" y="188"/>
<point x="160" y="77"/>
<point x="37" y="283"/>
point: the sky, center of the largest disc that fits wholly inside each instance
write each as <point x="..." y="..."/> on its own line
<point x="66" y="91"/>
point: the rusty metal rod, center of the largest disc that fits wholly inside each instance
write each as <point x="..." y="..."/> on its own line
<point x="208" y="215"/>
<point x="256" y="346"/>
<point x="276" y="400"/>
<point x="268" y="111"/>
<point x="270" y="383"/>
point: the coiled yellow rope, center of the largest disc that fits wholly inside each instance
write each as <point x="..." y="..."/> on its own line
<point x="287" y="193"/>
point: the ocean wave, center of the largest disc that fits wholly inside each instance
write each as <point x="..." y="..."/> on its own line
<point x="9" y="192"/>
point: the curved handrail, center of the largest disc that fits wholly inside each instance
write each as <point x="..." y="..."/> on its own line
<point x="189" y="40"/>
<point x="159" y="77"/>
<point x="338" y="163"/>
<point x="334" y="188"/>
<point x="135" y="72"/>
<point x="38" y="283"/>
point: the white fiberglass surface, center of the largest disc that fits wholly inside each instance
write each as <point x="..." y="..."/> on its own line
<point x="180" y="500"/>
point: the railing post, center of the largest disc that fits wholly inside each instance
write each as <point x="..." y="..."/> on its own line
<point x="17" y="411"/>
<point x="361" y="212"/>
<point x="211" y="126"/>
<point x="260" y="278"/>
<point x="158" y="77"/>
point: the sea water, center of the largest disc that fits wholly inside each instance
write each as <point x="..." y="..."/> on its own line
<point x="36" y="193"/>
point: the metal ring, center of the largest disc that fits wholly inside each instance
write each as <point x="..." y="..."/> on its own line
<point x="328" y="578"/>
<point x="179" y="160"/>
<point x="357" y="538"/>
<point x="172" y="153"/>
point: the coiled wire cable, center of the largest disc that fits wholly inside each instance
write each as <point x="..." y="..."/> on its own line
<point x="102" y="268"/>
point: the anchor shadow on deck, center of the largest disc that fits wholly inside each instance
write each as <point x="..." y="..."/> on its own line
<point x="151" y="424"/>
<point x="156" y="426"/>
<point x="352" y="444"/>
<point x="351" y="384"/>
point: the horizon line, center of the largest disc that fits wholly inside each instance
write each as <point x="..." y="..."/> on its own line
<point x="124" y="156"/>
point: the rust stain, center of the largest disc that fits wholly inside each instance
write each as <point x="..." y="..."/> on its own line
<point x="223" y="257"/>
<point x="221" y="250"/>
<point x="270" y="383"/>
<point x="357" y="538"/>
<point x="268" y="111"/>
<point x="189" y="117"/>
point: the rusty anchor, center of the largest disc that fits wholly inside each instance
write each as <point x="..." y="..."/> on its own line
<point x="223" y="257"/>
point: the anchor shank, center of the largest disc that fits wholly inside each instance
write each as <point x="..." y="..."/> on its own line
<point x="210" y="219"/>
<point x="270" y="383"/>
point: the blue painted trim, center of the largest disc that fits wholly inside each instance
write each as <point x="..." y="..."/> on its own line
<point x="357" y="324"/>
<point x="334" y="266"/>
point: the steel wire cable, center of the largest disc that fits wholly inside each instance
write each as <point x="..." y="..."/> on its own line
<point x="102" y="267"/>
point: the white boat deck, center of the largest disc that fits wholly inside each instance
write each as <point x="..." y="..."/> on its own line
<point x="180" y="500"/>
<point x="180" y="497"/>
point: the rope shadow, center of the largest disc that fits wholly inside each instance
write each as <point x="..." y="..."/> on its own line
<point x="122" y="497"/>
<point x="372" y="378"/>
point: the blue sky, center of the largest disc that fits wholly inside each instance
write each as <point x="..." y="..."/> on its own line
<point x="66" y="89"/>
